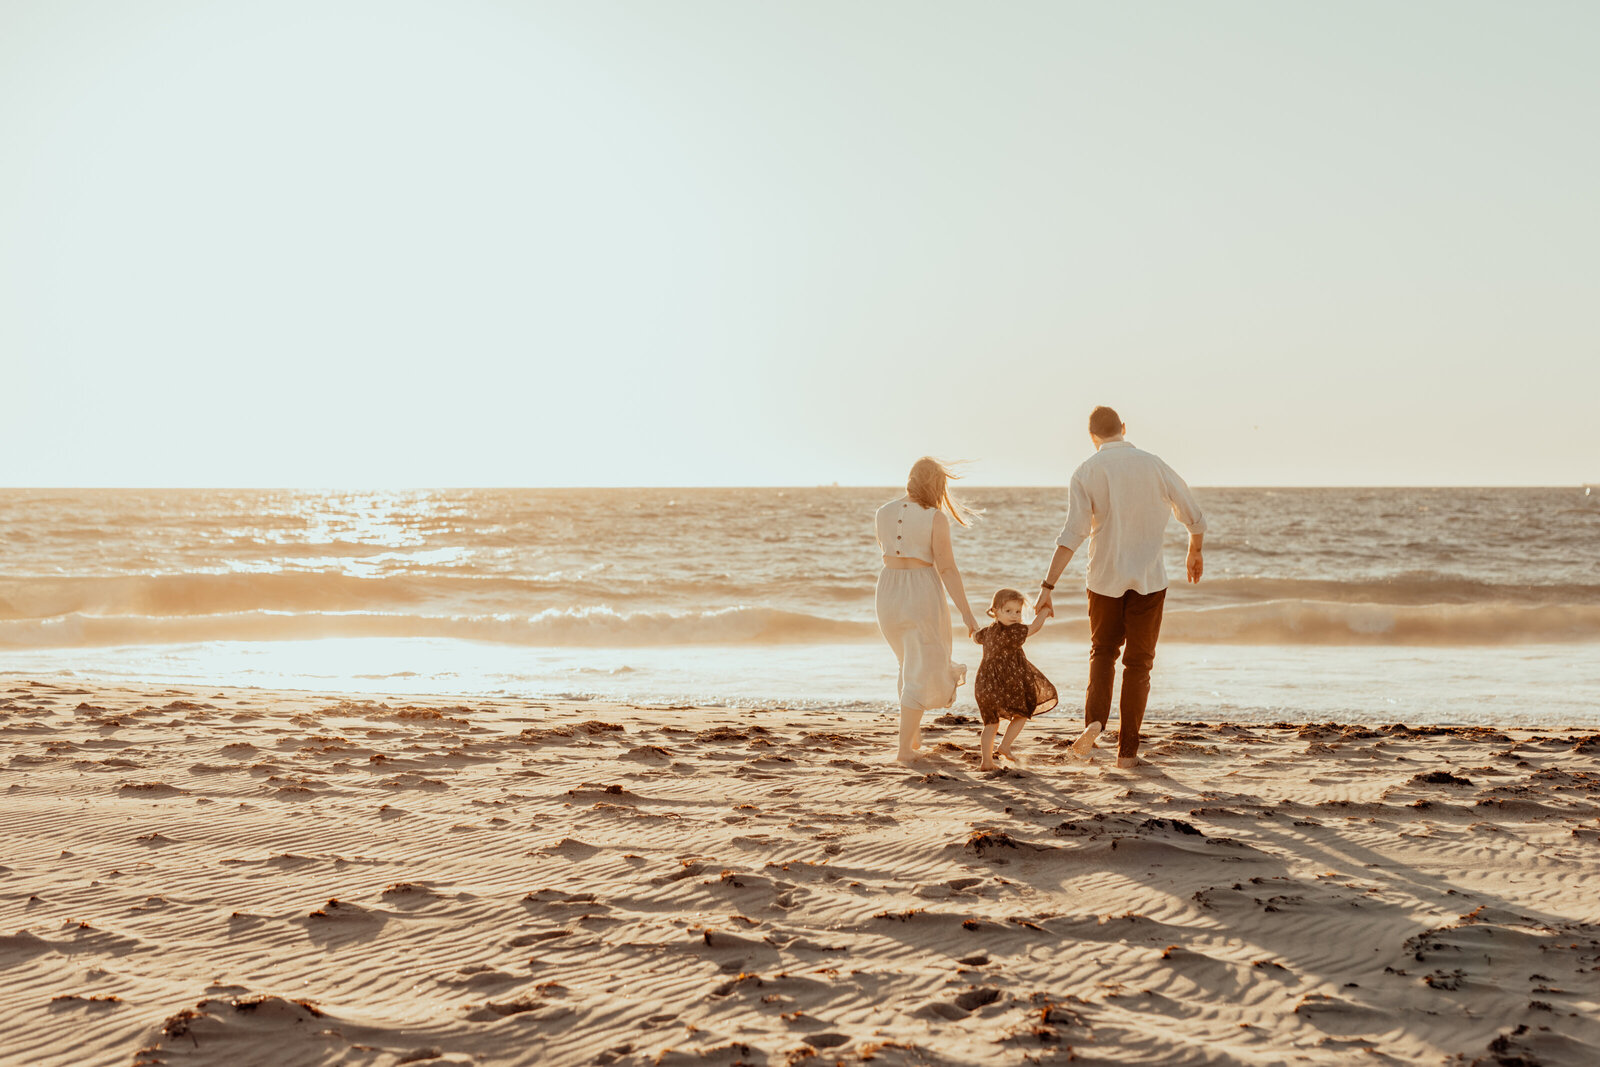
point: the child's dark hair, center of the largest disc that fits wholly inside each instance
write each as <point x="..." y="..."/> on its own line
<point x="1002" y="598"/>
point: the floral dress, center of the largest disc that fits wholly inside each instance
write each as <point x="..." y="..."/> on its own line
<point x="1008" y="686"/>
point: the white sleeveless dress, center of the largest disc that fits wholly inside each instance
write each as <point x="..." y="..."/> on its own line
<point x="912" y="614"/>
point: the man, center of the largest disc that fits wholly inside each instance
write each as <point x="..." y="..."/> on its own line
<point x="1119" y="500"/>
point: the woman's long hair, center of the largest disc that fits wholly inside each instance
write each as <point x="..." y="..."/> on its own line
<point x="929" y="485"/>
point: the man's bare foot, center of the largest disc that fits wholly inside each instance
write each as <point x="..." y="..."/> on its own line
<point x="1085" y="742"/>
<point x="1128" y="763"/>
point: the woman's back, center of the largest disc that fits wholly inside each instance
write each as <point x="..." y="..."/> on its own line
<point x="905" y="530"/>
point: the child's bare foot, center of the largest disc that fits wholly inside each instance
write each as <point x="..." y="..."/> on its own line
<point x="1128" y="763"/>
<point x="1085" y="742"/>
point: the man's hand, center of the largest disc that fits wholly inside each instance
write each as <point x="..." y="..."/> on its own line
<point x="1195" y="565"/>
<point x="1042" y="607"/>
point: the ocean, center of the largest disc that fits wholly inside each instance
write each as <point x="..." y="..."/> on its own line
<point x="1435" y="605"/>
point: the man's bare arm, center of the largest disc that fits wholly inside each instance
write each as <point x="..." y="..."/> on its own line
<point x="1058" y="563"/>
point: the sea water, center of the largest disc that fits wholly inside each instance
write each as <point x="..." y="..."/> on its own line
<point x="1414" y="605"/>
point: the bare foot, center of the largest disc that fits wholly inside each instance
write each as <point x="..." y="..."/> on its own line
<point x="988" y="766"/>
<point x="1128" y="763"/>
<point x="910" y="757"/>
<point x="1085" y="742"/>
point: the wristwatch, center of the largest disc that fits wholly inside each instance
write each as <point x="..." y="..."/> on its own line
<point x="1046" y="585"/>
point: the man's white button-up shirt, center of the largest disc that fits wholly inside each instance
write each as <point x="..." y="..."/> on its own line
<point x="1119" y="500"/>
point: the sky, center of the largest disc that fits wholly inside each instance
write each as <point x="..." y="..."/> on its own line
<point x="392" y="243"/>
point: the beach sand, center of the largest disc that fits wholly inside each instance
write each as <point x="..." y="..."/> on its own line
<point x="191" y="875"/>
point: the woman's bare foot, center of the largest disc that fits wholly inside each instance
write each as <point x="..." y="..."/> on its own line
<point x="910" y="735"/>
<point x="988" y="766"/>
<point x="1128" y="763"/>
<point x="1085" y="742"/>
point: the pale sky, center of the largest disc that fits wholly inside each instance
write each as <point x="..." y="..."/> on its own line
<point x="510" y="243"/>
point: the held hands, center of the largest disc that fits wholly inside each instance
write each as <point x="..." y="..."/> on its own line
<point x="1042" y="607"/>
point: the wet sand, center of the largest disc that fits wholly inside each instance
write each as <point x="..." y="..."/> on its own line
<point x="191" y="875"/>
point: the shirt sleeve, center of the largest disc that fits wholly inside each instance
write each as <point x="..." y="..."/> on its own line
<point x="1079" y="512"/>
<point x="979" y="636"/>
<point x="1176" y="493"/>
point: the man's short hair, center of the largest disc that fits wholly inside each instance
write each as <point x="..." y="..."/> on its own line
<point x="1105" y="422"/>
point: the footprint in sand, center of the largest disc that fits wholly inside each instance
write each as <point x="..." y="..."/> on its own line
<point x="568" y="848"/>
<point x="963" y="1005"/>
<point x="481" y="976"/>
<point x="409" y="894"/>
<point x="150" y="789"/>
<point x="735" y="954"/>
<point x="339" y="911"/>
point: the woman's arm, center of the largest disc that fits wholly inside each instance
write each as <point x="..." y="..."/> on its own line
<point x="944" y="561"/>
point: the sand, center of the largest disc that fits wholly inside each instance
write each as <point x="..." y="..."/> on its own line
<point x="191" y="875"/>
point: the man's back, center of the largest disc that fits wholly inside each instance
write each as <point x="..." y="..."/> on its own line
<point x="1119" y="500"/>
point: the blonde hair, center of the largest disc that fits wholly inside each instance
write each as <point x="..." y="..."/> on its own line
<point x="1002" y="597"/>
<point x="928" y="484"/>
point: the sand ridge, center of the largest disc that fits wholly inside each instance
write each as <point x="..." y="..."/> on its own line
<point x="191" y="875"/>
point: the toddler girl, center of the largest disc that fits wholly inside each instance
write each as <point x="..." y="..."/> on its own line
<point x="1008" y="686"/>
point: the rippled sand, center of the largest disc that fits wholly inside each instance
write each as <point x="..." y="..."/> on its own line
<point x="202" y="876"/>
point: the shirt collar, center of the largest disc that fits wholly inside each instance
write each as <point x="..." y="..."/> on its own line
<point x="1117" y="444"/>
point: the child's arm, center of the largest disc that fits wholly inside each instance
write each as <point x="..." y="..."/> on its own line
<point x="1037" y="624"/>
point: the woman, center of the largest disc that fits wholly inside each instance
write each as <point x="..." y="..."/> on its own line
<point x="918" y="569"/>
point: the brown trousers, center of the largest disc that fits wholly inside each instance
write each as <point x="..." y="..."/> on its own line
<point x="1134" y="618"/>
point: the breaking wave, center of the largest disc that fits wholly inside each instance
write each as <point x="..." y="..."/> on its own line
<point x="317" y="593"/>
<point x="598" y="627"/>
<point x="1290" y="622"/>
